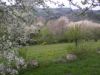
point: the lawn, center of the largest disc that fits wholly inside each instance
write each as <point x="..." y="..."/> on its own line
<point x="88" y="64"/>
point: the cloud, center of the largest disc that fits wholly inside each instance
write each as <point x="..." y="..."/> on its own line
<point x="58" y="3"/>
<point x="66" y="3"/>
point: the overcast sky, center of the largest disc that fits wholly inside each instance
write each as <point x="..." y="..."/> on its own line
<point x="65" y="2"/>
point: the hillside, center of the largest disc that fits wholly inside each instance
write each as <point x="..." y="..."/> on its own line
<point x="54" y="13"/>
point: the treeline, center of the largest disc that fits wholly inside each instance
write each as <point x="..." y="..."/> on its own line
<point x="63" y="30"/>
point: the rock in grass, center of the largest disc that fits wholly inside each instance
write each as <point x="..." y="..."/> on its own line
<point x="98" y="51"/>
<point x="71" y="57"/>
<point x="34" y="64"/>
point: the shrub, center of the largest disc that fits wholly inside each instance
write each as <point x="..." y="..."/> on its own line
<point x="96" y="33"/>
<point x="46" y="35"/>
<point x="89" y="29"/>
<point x="74" y="34"/>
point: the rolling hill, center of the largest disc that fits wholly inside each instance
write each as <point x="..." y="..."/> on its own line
<point x="54" y="13"/>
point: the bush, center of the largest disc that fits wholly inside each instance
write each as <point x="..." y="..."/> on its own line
<point x="96" y="33"/>
<point x="84" y="49"/>
<point x="46" y="36"/>
<point x="74" y="34"/>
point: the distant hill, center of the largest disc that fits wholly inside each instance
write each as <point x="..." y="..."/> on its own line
<point x="54" y="13"/>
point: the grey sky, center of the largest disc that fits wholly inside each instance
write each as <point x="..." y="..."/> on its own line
<point x="65" y="2"/>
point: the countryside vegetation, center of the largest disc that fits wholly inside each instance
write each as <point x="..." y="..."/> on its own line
<point x="36" y="39"/>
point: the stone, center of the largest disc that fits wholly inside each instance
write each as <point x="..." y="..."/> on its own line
<point x="71" y="57"/>
<point x="34" y="63"/>
<point x="98" y="51"/>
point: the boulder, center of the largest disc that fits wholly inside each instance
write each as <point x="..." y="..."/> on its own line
<point x="98" y="50"/>
<point x="34" y="63"/>
<point x="71" y="57"/>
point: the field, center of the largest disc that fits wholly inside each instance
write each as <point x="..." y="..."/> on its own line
<point x="88" y="62"/>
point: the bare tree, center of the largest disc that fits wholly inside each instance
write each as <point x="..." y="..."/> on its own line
<point x="89" y="4"/>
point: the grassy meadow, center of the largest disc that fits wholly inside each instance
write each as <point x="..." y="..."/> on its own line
<point x="88" y="62"/>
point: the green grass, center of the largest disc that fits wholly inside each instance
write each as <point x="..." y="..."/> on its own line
<point x="45" y="53"/>
<point x="88" y="64"/>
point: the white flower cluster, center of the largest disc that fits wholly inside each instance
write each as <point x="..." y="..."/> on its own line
<point x="7" y="70"/>
<point x="12" y="64"/>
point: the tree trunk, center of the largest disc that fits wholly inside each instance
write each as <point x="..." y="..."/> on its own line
<point x="76" y="42"/>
